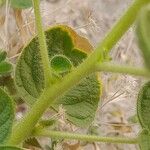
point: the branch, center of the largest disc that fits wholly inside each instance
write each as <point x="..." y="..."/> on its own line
<point x="82" y="137"/>
<point x="136" y="71"/>
<point x="42" y="43"/>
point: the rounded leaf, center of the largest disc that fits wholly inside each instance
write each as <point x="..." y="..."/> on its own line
<point x="62" y="41"/>
<point x="143" y="106"/>
<point x="81" y="101"/>
<point x="60" y="64"/>
<point x="6" y="116"/>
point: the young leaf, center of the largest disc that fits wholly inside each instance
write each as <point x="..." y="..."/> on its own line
<point x="5" y="68"/>
<point x="61" y="40"/>
<point x="10" y="148"/>
<point x="6" y="116"/>
<point x="143" y="106"/>
<point x="143" y="34"/>
<point x="144" y="140"/>
<point x="21" y="4"/>
<point x="3" y="55"/>
<point x="60" y="64"/>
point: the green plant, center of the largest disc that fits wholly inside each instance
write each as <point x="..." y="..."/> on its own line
<point x="57" y="68"/>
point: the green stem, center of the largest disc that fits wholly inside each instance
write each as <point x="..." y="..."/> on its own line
<point x="82" y="137"/>
<point x="121" y="26"/>
<point x="24" y="128"/>
<point x="107" y="67"/>
<point x="42" y="43"/>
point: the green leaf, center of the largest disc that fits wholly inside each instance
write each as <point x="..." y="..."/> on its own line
<point x="6" y="116"/>
<point x="5" y="68"/>
<point x="143" y="106"/>
<point x="3" y="55"/>
<point x="144" y="140"/>
<point x="21" y="4"/>
<point x="80" y="102"/>
<point x="60" y="64"/>
<point x="61" y="41"/>
<point x="10" y="148"/>
<point x="29" y="72"/>
<point x="143" y="34"/>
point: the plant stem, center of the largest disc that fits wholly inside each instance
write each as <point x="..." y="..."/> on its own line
<point x="82" y="137"/>
<point x="107" y="67"/>
<point x="42" y="43"/>
<point x="24" y="128"/>
<point x="121" y="26"/>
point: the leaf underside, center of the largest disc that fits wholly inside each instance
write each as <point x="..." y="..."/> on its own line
<point x="81" y="101"/>
<point x="6" y="116"/>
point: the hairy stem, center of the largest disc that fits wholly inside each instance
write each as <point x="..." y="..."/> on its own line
<point x="42" y="43"/>
<point x="130" y="70"/>
<point x="121" y="26"/>
<point x="82" y="137"/>
<point x="24" y="128"/>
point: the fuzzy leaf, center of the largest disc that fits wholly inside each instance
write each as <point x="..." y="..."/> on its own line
<point x="80" y="102"/>
<point x="3" y="55"/>
<point x="6" y="116"/>
<point x="10" y="148"/>
<point x="5" y="68"/>
<point x="60" y="64"/>
<point x="143" y="34"/>
<point x="144" y="140"/>
<point x="21" y="4"/>
<point x="61" y="40"/>
<point x="143" y="106"/>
